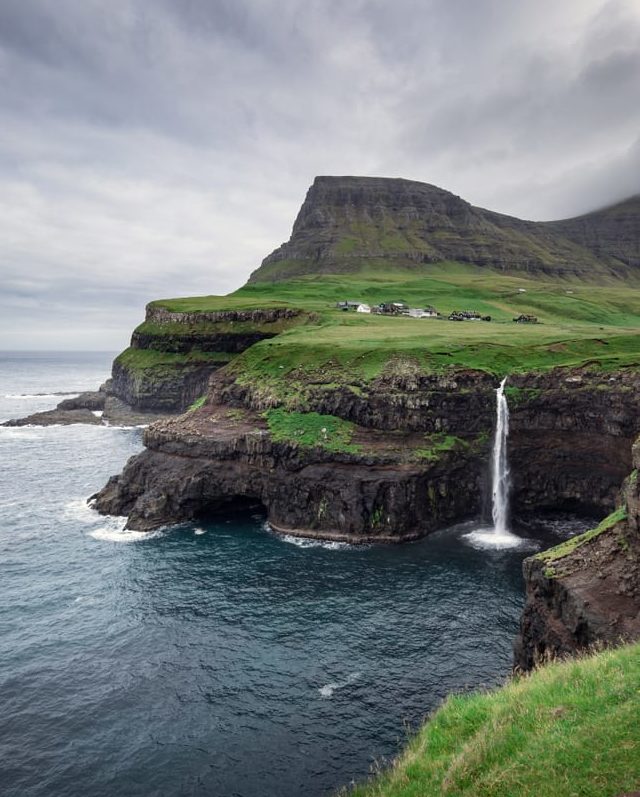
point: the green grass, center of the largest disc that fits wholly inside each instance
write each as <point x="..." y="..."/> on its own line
<point x="438" y="445"/>
<point x="310" y="429"/>
<point x="570" y="545"/>
<point x="199" y="402"/>
<point x="520" y="395"/>
<point x="580" y="324"/>
<point x="570" y="728"/>
<point x="205" y="327"/>
<point x="152" y="359"/>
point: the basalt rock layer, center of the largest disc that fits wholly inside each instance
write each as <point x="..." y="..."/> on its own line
<point x="585" y="592"/>
<point x="168" y="365"/>
<point x="173" y="354"/>
<point x="391" y="486"/>
<point x="350" y="223"/>
<point x="209" y="459"/>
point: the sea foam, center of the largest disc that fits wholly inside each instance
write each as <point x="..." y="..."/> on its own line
<point x="489" y="539"/>
<point x="328" y="689"/>
<point x="306" y="542"/>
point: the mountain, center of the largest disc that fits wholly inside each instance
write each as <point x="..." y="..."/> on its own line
<point x="350" y="224"/>
<point x="612" y="234"/>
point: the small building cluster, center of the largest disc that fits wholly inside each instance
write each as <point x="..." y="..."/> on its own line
<point x="526" y="319"/>
<point x="468" y="315"/>
<point x="390" y="308"/>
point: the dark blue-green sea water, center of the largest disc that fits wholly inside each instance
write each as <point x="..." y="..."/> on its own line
<point x="213" y="659"/>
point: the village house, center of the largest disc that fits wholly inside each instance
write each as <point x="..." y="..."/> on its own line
<point x="394" y="308"/>
<point x="427" y="312"/>
<point x="526" y="319"/>
<point x="468" y="315"/>
<point x="389" y="308"/>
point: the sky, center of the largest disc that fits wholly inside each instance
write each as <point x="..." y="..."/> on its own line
<point x="157" y="148"/>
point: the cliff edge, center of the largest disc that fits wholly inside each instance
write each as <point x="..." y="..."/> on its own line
<point x="585" y="591"/>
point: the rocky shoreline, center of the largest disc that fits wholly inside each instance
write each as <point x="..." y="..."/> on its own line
<point x="96" y="408"/>
<point x="570" y="448"/>
<point x="195" y="464"/>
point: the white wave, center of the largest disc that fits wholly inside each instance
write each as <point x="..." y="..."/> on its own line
<point x="308" y="542"/>
<point x="489" y="539"/>
<point x="21" y="432"/>
<point x="328" y="689"/>
<point x="115" y="531"/>
<point x="88" y="600"/>
<point x="79" y="509"/>
<point x="199" y="531"/>
<point x="8" y="503"/>
<point x="107" y="425"/>
<point x="38" y="395"/>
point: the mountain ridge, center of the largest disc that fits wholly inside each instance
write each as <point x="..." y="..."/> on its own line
<point x="349" y="224"/>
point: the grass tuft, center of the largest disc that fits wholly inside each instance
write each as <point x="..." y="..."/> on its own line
<point x="570" y="545"/>
<point x="311" y="429"/>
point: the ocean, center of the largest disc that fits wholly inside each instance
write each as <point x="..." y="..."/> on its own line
<point x="214" y="658"/>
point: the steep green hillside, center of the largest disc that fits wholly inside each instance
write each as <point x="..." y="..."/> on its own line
<point x="568" y="729"/>
<point x="351" y="224"/>
<point x="611" y="233"/>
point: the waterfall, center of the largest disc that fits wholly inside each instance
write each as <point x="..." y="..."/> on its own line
<point x="499" y="535"/>
<point x="499" y="464"/>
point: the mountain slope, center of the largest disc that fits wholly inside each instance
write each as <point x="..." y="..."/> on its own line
<point x="350" y="224"/>
<point x="612" y="234"/>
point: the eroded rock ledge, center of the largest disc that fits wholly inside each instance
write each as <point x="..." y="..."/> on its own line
<point x="196" y="464"/>
<point x="587" y="591"/>
<point x="569" y="447"/>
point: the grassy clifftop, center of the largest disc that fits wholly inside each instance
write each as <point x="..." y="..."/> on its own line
<point x="570" y="728"/>
<point x="579" y="324"/>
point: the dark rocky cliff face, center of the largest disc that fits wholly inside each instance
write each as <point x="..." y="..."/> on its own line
<point x="203" y="461"/>
<point x="347" y="223"/>
<point x="569" y="448"/>
<point x="183" y="350"/>
<point x="571" y="430"/>
<point x="585" y="592"/>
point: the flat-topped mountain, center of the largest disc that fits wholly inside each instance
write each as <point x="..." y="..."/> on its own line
<point x="350" y="224"/>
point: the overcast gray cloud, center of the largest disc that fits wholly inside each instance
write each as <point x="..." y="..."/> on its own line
<point x="156" y="148"/>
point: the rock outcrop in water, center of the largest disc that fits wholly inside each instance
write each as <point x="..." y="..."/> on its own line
<point x="217" y="456"/>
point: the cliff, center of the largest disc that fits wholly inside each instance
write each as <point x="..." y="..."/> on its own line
<point x="569" y="728"/>
<point x="349" y="224"/>
<point x="378" y="239"/>
<point x="612" y="234"/>
<point x="391" y="460"/>
<point x="347" y="484"/>
<point x="586" y="591"/>
<point x="168" y="365"/>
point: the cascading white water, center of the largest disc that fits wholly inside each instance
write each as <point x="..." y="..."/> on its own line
<point x="499" y="535"/>
<point x="500" y="465"/>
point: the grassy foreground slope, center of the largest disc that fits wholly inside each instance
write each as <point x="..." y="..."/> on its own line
<point x="580" y="323"/>
<point x="570" y="728"/>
